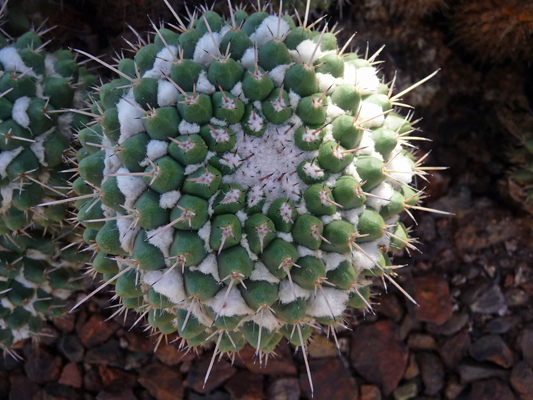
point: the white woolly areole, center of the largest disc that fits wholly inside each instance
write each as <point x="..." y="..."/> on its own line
<point x="38" y="146"/>
<point x="169" y="199"/>
<point x="269" y="27"/>
<point x="261" y="273"/>
<point x="367" y="81"/>
<point x="352" y="215"/>
<point x="286" y="295"/>
<point x="404" y="170"/>
<point x="127" y="233"/>
<point x="333" y="260"/>
<point x="294" y="100"/>
<point x="333" y="111"/>
<point x="266" y="320"/>
<point x="188" y="128"/>
<point x="208" y="266"/>
<point x="111" y="162"/>
<point x="162" y="241"/>
<point x="305" y="50"/>
<point x="370" y="113"/>
<point x="350" y="74"/>
<point x="248" y="58"/>
<point x="214" y="121"/>
<point x="237" y="90"/>
<point x="19" y="111"/>
<point x="234" y="304"/>
<point x="360" y="260"/>
<point x="64" y="123"/>
<point x="336" y="303"/>
<point x="327" y="219"/>
<point x="285" y="236"/>
<point x="352" y="171"/>
<point x="383" y="190"/>
<point x="12" y="62"/>
<point x="167" y="94"/>
<point x="7" y="195"/>
<point x="304" y="251"/>
<point x="367" y="146"/>
<point x="205" y="233"/>
<point x="171" y="286"/>
<point x="129" y="118"/>
<point x="49" y="65"/>
<point x="20" y="334"/>
<point x="392" y="220"/>
<point x="205" y="48"/>
<point x="326" y="81"/>
<point x="244" y="243"/>
<point x="203" y="85"/>
<point x="154" y="150"/>
<point x="130" y="186"/>
<point x="162" y="63"/>
<point x="278" y="74"/>
<point x="5" y="159"/>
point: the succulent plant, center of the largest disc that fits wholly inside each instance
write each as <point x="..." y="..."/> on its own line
<point x="247" y="177"/>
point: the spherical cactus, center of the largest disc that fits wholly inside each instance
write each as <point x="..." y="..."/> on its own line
<point x="249" y="180"/>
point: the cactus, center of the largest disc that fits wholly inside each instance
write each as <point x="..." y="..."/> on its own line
<point x="247" y="177"/>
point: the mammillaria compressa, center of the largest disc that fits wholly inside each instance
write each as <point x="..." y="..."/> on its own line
<point x="248" y="174"/>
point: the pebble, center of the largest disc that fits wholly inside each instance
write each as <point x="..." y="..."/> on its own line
<point x="163" y="382"/>
<point x="492" y="348"/>
<point x="284" y="389"/>
<point x="109" y="353"/>
<point x="405" y="392"/>
<point x="491" y="389"/>
<point x="282" y="365"/>
<point x="453" y="388"/>
<point x="488" y="301"/>
<point x="109" y="375"/>
<point x="391" y="307"/>
<point x="22" y="388"/>
<point x="95" y="331"/>
<point x="116" y="391"/>
<point x="70" y="347"/>
<point x="322" y="347"/>
<point x="378" y="354"/>
<point x="369" y="392"/>
<point x="524" y="342"/>
<point x="455" y="324"/>
<point x="501" y="325"/>
<point x="222" y="370"/>
<point x="71" y="376"/>
<point x="470" y="372"/>
<point x="65" y="323"/>
<point x="516" y="297"/>
<point x="41" y="366"/>
<point x="92" y="381"/>
<point x="420" y="341"/>
<point x="432" y="293"/>
<point x="432" y="372"/>
<point x="245" y="385"/>
<point x="412" y="369"/>
<point x="453" y="349"/>
<point x="331" y="380"/>
<point x="522" y="380"/>
<point x="57" y="391"/>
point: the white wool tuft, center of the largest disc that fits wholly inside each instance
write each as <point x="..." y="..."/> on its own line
<point x="24" y="282"/>
<point x="203" y="85"/>
<point x="167" y="94"/>
<point x="12" y="62"/>
<point x="326" y="81"/>
<point x="129" y="118"/>
<point x="336" y="303"/>
<point x="285" y="294"/>
<point x="267" y="320"/>
<point x="350" y="74"/>
<point x="333" y="260"/>
<point x="304" y="251"/>
<point x="360" y="260"/>
<point x="294" y="100"/>
<point x="352" y="215"/>
<point x="162" y="241"/>
<point x="372" y="114"/>
<point x="384" y="241"/>
<point x="392" y="220"/>
<point x="352" y="170"/>
<point x="64" y="122"/>
<point x="258" y="105"/>
<point x="49" y="65"/>
<point x="244" y="243"/>
<point x="130" y="186"/>
<point x="169" y="199"/>
<point x="268" y="28"/>
<point x="214" y="121"/>
<point x="127" y="233"/>
<point x="302" y="209"/>
<point x="237" y="89"/>
<point x="242" y="216"/>
<point x="234" y="304"/>
<point x="332" y="111"/>
<point x="367" y="146"/>
<point x="156" y="149"/>
<point x="6" y="192"/>
<point x="108" y="211"/>
<point x="162" y="63"/>
<point x="248" y="58"/>
<point x="19" y="111"/>
<point x="278" y="74"/>
<point x="208" y="266"/>
<point x="171" y="286"/>
<point x="205" y="233"/>
<point x="326" y="219"/>
<point x="367" y="81"/>
<point x="404" y="167"/>
<point x="111" y="161"/>
<point x="38" y="146"/>
<point x="205" y="49"/>
<point x="261" y="273"/>
<point x="20" y="334"/>
<point x="5" y="159"/>
<point x="383" y="190"/>
<point x="188" y="128"/>
<point x="285" y="236"/>
<point x="305" y="50"/>
<point x="328" y="135"/>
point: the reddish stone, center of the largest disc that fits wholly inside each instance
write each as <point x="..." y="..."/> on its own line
<point x="491" y="389"/>
<point x="96" y="331"/>
<point x="65" y="323"/>
<point x="419" y="341"/>
<point x="282" y="364"/>
<point x="163" y="382"/>
<point x="71" y="376"/>
<point x="41" y="366"/>
<point x="92" y="381"/>
<point x="433" y="296"/>
<point x="222" y="370"/>
<point x="331" y="380"/>
<point x="453" y="349"/>
<point x="390" y="306"/>
<point x="135" y="341"/>
<point x="369" y="392"/>
<point x="22" y="388"/>
<point x="522" y="380"/>
<point x="412" y="369"/>
<point x="322" y="347"/>
<point x="525" y="344"/>
<point x="116" y="391"/>
<point x="246" y="385"/>
<point x="170" y="354"/>
<point x="109" y="375"/>
<point x="284" y="389"/>
<point x="492" y="348"/>
<point x="378" y="355"/>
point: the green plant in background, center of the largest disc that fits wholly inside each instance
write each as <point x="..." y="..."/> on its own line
<point x="521" y="178"/>
<point x="242" y="180"/>
<point x="35" y="275"/>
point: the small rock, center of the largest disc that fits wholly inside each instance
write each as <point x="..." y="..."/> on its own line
<point x="409" y="324"/>
<point x="524" y="342"/>
<point x="71" y="347"/>
<point x="490" y="301"/>
<point x="22" y="388"/>
<point x="378" y="354"/>
<point x="474" y="372"/>
<point x="96" y="331"/>
<point x="492" y="348"/>
<point x="110" y="375"/>
<point x="522" y="380"/>
<point x="65" y="323"/>
<point x="57" y="391"/>
<point x="171" y="354"/>
<point x="453" y="388"/>
<point x="420" y="341"/>
<point x="222" y="370"/>
<point x="369" y="392"/>
<point x="163" y="382"/>
<point x="516" y="297"/>
<point x="331" y="380"/>
<point x="284" y="389"/>
<point x="390" y="306"/>
<point x="322" y="347"/>
<point x="501" y="325"/>
<point x="412" y="369"/>
<point x="432" y="372"/>
<point x="433" y="295"/>
<point x="92" y="382"/>
<point x="455" y="324"/>
<point x="405" y="392"/>
<point x="139" y="342"/>
<point x="453" y="349"/>
<point x="283" y="365"/>
<point x="41" y="366"/>
<point x="109" y="353"/>
<point x="71" y="376"/>
<point x="491" y="389"/>
<point x="217" y="395"/>
<point x="245" y="385"/>
<point x="116" y="391"/>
